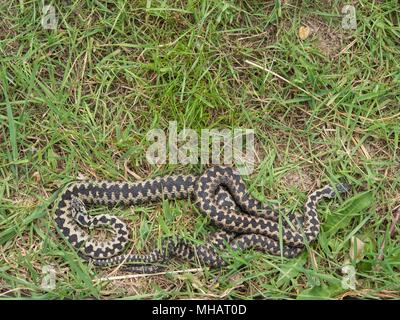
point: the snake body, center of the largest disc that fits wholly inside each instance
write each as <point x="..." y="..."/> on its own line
<point x="219" y="194"/>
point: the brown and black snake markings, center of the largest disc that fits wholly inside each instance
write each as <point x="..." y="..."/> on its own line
<point x="219" y="193"/>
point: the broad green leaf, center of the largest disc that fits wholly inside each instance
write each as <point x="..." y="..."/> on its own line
<point x="320" y="292"/>
<point x="80" y="275"/>
<point x="290" y="270"/>
<point x="352" y="208"/>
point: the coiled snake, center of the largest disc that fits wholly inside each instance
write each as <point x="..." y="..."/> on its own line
<point x="219" y="193"/>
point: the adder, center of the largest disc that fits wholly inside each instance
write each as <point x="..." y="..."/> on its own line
<point x="219" y="193"/>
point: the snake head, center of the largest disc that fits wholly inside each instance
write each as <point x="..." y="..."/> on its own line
<point x="77" y="207"/>
<point x="343" y="187"/>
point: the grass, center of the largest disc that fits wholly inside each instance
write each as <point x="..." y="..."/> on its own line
<point x="80" y="100"/>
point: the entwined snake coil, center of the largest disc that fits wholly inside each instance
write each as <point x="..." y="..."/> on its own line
<point x="219" y="193"/>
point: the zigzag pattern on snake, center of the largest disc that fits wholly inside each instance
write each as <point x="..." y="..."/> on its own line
<point x="219" y="193"/>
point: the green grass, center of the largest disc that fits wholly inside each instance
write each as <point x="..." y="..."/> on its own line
<point x="79" y="100"/>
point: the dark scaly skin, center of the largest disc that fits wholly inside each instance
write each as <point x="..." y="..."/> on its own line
<point x="219" y="193"/>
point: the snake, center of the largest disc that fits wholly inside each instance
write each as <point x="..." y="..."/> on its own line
<point x="242" y="221"/>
